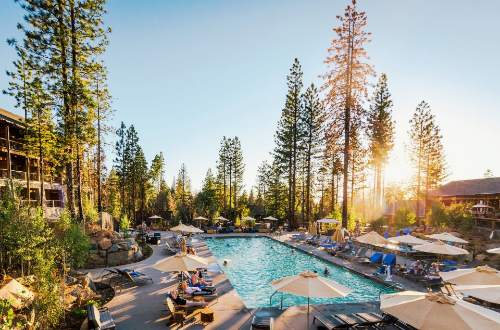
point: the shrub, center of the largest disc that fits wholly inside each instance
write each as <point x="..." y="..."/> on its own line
<point x="124" y="225"/>
<point x="404" y="217"/>
<point x="378" y="224"/>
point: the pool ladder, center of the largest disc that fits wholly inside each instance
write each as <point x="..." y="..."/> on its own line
<point x="271" y="298"/>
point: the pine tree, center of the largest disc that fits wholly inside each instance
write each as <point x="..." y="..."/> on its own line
<point x="183" y="195"/>
<point x="346" y="80"/>
<point x="426" y="151"/>
<point x="312" y="120"/>
<point x="206" y="200"/>
<point x="120" y="162"/>
<point x="289" y="135"/>
<point x="157" y="171"/>
<point x="380" y="133"/>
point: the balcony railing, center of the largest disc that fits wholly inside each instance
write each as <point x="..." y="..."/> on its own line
<point x="14" y="144"/>
<point x="21" y="175"/>
<point x="53" y="203"/>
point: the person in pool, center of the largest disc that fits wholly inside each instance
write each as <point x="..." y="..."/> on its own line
<point x="326" y="271"/>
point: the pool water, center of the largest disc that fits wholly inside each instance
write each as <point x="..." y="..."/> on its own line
<point x="256" y="261"/>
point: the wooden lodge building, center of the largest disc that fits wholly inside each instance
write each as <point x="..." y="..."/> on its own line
<point x="14" y="166"/>
<point x="482" y="194"/>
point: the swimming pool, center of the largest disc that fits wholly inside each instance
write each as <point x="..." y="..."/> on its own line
<point x="256" y="261"/>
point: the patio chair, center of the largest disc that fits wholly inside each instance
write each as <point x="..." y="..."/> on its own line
<point x="376" y="258"/>
<point x="329" y="322"/>
<point x="262" y="320"/>
<point x="169" y="249"/>
<point x="361" y="256"/>
<point x="135" y="277"/>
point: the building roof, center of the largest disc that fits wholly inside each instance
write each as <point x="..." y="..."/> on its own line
<point x="485" y="186"/>
<point x="11" y="117"/>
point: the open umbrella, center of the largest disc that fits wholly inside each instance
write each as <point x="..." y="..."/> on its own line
<point x="371" y="238"/>
<point x="407" y="239"/>
<point x="221" y="219"/>
<point x="195" y="230"/>
<point x="155" y="217"/>
<point x="310" y="285"/>
<point x="447" y="237"/>
<point x="248" y="218"/>
<point x="481" y="275"/>
<point x="495" y="251"/>
<point x="181" y="263"/>
<point x="17" y="294"/>
<point x="182" y="228"/>
<point x="270" y="218"/>
<point x="489" y="293"/>
<point x="428" y="311"/>
<point x="200" y="218"/>
<point x="439" y="247"/>
<point x="327" y="220"/>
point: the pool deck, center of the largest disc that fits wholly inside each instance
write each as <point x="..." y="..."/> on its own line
<point x="141" y="307"/>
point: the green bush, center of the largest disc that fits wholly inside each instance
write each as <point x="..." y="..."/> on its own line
<point x="378" y="224"/>
<point x="124" y="225"/>
<point x="456" y="216"/>
<point x="404" y="217"/>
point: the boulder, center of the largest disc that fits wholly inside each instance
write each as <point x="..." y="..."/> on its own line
<point x="481" y="257"/>
<point x="114" y="248"/>
<point x="104" y="243"/>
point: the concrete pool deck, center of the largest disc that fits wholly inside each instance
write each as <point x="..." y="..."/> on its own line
<point x="141" y="307"/>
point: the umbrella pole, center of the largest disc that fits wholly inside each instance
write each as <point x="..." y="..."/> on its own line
<point x="308" y="313"/>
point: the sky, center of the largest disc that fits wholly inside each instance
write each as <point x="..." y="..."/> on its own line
<point x="186" y="73"/>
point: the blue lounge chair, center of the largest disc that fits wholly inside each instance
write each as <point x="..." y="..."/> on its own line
<point x="376" y="258"/>
<point x="389" y="260"/>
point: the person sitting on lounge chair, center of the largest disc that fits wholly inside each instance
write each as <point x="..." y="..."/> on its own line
<point x="193" y="290"/>
<point x="184" y="302"/>
<point x="198" y="281"/>
<point x="190" y="250"/>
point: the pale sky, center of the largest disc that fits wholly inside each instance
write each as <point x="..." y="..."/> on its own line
<point x="185" y="73"/>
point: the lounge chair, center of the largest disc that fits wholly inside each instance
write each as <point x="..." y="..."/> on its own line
<point x="178" y="316"/>
<point x="361" y="256"/>
<point x="169" y="249"/>
<point x="329" y="322"/>
<point x="135" y="277"/>
<point x="99" y="318"/>
<point x="376" y="258"/>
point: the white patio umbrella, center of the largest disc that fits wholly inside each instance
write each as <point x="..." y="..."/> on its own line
<point x="327" y="220"/>
<point x="155" y="217"/>
<point x="182" y="228"/>
<point x="221" y="218"/>
<point x="181" y="263"/>
<point x="447" y="237"/>
<point x="195" y="230"/>
<point x="310" y="285"/>
<point x="270" y="218"/>
<point x="495" y="250"/>
<point x="433" y="311"/>
<point x="408" y="239"/>
<point x="371" y="238"/>
<point x="481" y="275"/>
<point x="248" y="218"/>
<point x="200" y="218"/>
<point x="489" y="293"/>
<point x="441" y="248"/>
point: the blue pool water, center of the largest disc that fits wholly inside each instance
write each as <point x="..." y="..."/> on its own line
<point x="255" y="262"/>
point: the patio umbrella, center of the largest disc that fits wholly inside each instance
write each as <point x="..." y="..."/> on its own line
<point x="270" y="218"/>
<point x="327" y="220"/>
<point x="221" y="218"/>
<point x="312" y="228"/>
<point x="439" y="247"/>
<point x="489" y="293"/>
<point x="447" y="237"/>
<point x="181" y="263"/>
<point x="408" y="239"/>
<point x="481" y="275"/>
<point x="195" y="230"/>
<point x="338" y="235"/>
<point x="310" y="285"/>
<point x="155" y="217"/>
<point x="200" y="218"/>
<point x="428" y="311"/>
<point x="495" y="251"/>
<point x="182" y="228"/>
<point x="371" y="238"/>
<point x="18" y="295"/>
<point x="248" y="218"/>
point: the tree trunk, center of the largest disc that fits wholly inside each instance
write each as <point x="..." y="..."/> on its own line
<point x="99" y="191"/>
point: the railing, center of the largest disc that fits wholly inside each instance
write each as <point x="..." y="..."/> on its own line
<point x="14" y="144"/>
<point x="18" y="175"/>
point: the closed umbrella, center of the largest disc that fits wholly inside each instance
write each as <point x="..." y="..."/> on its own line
<point x="481" y="275"/>
<point x="489" y="293"/>
<point x="312" y="228"/>
<point x="372" y="238"/>
<point x="447" y="237"/>
<point x="310" y="285"/>
<point x="338" y="235"/>
<point x="441" y="248"/>
<point x="435" y="311"/>
<point x="408" y="239"/>
<point x="181" y="263"/>
<point x="495" y="251"/>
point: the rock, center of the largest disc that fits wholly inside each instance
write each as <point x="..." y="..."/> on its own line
<point x="138" y="255"/>
<point x="114" y="248"/>
<point x="104" y="243"/>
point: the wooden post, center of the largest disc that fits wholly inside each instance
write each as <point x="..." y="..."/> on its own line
<point x="9" y="165"/>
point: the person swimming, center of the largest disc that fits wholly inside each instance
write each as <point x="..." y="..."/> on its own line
<point x="326" y="271"/>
